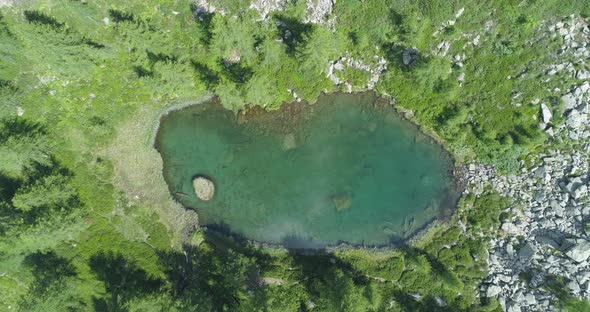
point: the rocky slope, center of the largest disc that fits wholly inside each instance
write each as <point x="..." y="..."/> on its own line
<point x="548" y="233"/>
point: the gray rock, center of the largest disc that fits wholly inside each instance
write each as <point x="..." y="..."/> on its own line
<point x="318" y="11"/>
<point x="574" y="287"/>
<point x="580" y="192"/>
<point x="513" y="307"/>
<point x="545" y="240"/>
<point x="511" y="228"/>
<point x="580" y="251"/>
<point x="530" y="299"/>
<point x="540" y="172"/>
<point x="493" y="290"/>
<point x="575" y="119"/>
<point x="557" y="208"/>
<point x="416" y="296"/>
<point x="509" y="249"/>
<point x="562" y="31"/>
<point x="505" y="278"/>
<point x="409" y="57"/>
<point x="518" y="297"/>
<point x="573" y="185"/>
<point x="493" y="260"/>
<point x="440" y="302"/>
<point x="583" y="74"/>
<point x="569" y="100"/>
<point x="546" y="113"/>
<point x="526" y="252"/>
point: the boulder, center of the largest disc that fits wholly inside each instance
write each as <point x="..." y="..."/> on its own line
<point x="233" y="58"/>
<point x="493" y="290"/>
<point x="583" y="74"/>
<point x="580" y="251"/>
<point x="409" y="57"/>
<point x="546" y="113"/>
<point x="511" y="228"/>
<point x="573" y="186"/>
<point x="204" y="188"/>
<point x="514" y="307"/>
<point x="440" y="302"/>
<point x="580" y="192"/>
<point x="569" y="101"/>
<point x="575" y="119"/>
<point x="546" y="241"/>
<point x="574" y="287"/>
<point x="416" y="296"/>
<point x="526" y="252"/>
<point x="509" y="249"/>
<point x="530" y="299"/>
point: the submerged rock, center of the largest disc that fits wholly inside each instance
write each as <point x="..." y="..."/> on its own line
<point x="204" y="188"/>
<point x="342" y="201"/>
<point x="289" y="142"/>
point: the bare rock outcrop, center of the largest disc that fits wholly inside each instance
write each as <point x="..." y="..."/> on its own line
<point x="204" y="188"/>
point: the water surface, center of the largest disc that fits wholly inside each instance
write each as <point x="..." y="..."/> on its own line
<point x="346" y="169"/>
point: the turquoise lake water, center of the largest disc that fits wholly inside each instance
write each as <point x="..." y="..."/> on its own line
<point x="346" y="169"/>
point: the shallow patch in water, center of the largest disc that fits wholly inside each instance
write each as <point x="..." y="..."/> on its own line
<point x="346" y="169"/>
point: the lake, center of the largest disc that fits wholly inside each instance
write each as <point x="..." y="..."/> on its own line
<point x="347" y="169"/>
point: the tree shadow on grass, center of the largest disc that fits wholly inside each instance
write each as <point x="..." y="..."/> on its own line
<point x="52" y="275"/>
<point x="328" y="280"/>
<point x="236" y="72"/>
<point x="332" y="281"/>
<point x="48" y="268"/>
<point x="431" y="278"/>
<point x="207" y="75"/>
<point x="293" y="32"/>
<point x="16" y="128"/>
<point x="216" y="274"/>
<point x="38" y="17"/>
<point x="224" y="273"/>
<point x="203" y="20"/>
<point x="123" y="280"/>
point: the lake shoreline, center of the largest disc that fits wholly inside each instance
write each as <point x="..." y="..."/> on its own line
<point x="455" y="173"/>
